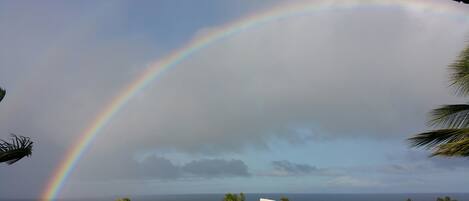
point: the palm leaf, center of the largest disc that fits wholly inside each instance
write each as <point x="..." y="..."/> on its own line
<point x="18" y="148"/>
<point x="435" y="138"/>
<point x="460" y="73"/>
<point x="462" y="1"/>
<point x="451" y="116"/>
<point x="458" y="148"/>
<point x="2" y="94"/>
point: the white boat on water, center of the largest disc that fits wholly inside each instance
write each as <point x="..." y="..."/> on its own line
<point x="263" y="199"/>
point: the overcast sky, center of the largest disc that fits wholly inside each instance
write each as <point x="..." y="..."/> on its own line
<point x="321" y="102"/>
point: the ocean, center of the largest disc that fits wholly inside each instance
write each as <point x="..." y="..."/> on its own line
<point x="292" y="197"/>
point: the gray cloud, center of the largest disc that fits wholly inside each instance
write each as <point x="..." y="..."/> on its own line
<point x="290" y="168"/>
<point x="348" y="181"/>
<point x="296" y="73"/>
<point x="419" y="162"/>
<point x="264" y="82"/>
<point x="451" y="163"/>
<point x="158" y="167"/>
<point x="161" y="168"/>
<point x="284" y="168"/>
<point x="155" y="167"/>
<point x="216" y="168"/>
<point x="351" y="74"/>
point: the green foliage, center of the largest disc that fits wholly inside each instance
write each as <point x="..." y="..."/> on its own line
<point x="283" y="198"/>
<point x="18" y="148"/>
<point x="2" y="94"/>
<point x="460" y="73"/>
<point x="445" y="142"/>
<point x="123" y="199"/>
<point x="445" y="199"/>
<point x="451" y="137"/>
<point x="408" y="199"/>
<point x="234" y="197"/>
<point x="450" y="116"/>
<point x="242" y="197"/>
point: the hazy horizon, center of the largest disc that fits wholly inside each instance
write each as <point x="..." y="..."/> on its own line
<point x="277" y="196"/>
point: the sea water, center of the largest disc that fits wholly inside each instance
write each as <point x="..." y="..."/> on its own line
<point x="292" y="197"/>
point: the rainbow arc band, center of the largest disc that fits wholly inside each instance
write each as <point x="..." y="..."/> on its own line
<point x="156" y="69"/>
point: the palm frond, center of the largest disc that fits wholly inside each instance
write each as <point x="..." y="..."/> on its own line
<point x="457" y="148"/>
<point x="18" y="148"/>
<point x="2" y="94"/>
<point x="450" y="116"/>
<point x="462" y="1"/>
<point x="460" y="73"/>
<point x="434" y="138"/>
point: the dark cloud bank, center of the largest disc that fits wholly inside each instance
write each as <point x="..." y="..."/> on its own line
<point x="161" y="168"/>
<point x="294" y="169"/>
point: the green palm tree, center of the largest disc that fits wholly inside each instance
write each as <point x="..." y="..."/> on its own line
<point x="283" y="198"/>
<point x="123" y="199"/>
<point x="242" y="197"/>
<point x="18" y="148"/>
<point x="451" y="138"/>
<point x="230" y="197"/>
<point x="445" y="199"/>
<point x="234" y="197"/>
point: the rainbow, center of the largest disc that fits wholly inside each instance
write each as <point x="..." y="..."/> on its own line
<point x="156" y="69"/>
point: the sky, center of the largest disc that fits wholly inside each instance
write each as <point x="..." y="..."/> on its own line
<point x="316" y="103"/>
